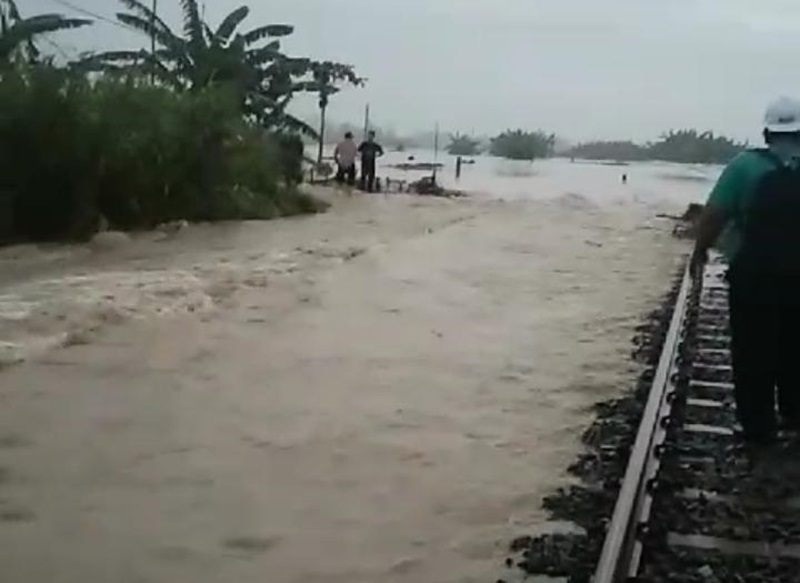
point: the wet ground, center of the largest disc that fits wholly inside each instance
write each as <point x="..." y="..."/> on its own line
<point x="381" y="393"/>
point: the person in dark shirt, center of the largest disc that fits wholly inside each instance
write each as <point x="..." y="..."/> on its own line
<point x="753" y="214"/>
<point x="370" y="151"/>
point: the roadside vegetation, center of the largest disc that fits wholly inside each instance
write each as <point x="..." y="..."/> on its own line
<point x="197" y="129"/>
<point x="685" y="146"/>
<point x="522" y="145"/>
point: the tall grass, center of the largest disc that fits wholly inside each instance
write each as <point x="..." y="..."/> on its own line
<point x="73" y="149"/>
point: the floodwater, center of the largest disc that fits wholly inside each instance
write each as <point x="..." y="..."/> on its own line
<point x="382" y="393"/>
<point x="648" y="182"/>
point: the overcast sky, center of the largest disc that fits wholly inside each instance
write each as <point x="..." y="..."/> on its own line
<point x="581" y="68"/>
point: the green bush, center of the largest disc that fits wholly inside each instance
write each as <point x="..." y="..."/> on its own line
<point x="463" y="145"/>
<point x="72" y="149"/>
<point x="40" y="158"/>
<point x="521" y="145"/>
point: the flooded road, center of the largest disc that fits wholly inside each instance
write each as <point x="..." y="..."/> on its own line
<point x="379" y="394"/>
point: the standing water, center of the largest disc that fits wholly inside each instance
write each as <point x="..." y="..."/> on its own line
<point x="382" y="393"/>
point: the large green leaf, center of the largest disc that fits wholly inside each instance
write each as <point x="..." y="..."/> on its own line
<point x="139" y="60"/>
<point x="9" y="8"/>
<point x="142" y="9"/>
<point x="153" y="66"/>
<point x="329" y="72"/>
<point x="229" y="24"/>
<point x="192" y="23"/>
<point x="23" y="31"/>
<point x="115" y="57"/>
<point x="145" y="14"/>
<point x="164" y="37"/>
<point x="9" y="13"/>
<point x="268" y="31"/>
<point x="315" y="86"/>
<point x="271" y="114"/>
<point x="291" y="123"/>
<point x="210" y="37"/>
<point x="263" y="55"/>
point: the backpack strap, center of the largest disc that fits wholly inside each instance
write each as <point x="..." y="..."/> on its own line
<point x="772" y="157"/>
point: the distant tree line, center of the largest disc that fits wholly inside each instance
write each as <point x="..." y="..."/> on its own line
<point x="686" y="146"/>
<point x="511" y="144"/>
<point x="615" y="150"/>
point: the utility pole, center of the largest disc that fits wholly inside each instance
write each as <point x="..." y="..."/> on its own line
<point x="435" y="151"/>
<point x="323" y="107"/>
<point x="366" y="122"/>
<point x="153" y="41"/>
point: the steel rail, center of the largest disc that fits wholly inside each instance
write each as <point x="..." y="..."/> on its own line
<point x="621" y="552"/>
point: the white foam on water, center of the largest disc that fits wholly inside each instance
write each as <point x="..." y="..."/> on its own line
<point x="38" y="315"/>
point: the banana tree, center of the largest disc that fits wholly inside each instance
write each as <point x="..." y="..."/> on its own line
<point x="463" y="145"/>
<point x="201" y="56"/>
<point x="326" y="78"/>
<point x="17" y="34"/>
<point x="251" y="62"/>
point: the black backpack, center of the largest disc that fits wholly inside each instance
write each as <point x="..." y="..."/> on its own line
<point x="771" y="224"/>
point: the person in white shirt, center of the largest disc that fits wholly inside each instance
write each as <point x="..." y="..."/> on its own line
<point x="345" y="155"/>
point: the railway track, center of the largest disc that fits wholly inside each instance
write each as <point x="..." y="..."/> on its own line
<point x="694" y="506"/>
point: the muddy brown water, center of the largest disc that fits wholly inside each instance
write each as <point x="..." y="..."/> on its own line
<point x="379" y="394"/>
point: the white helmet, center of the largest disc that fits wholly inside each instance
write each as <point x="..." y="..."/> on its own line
<point x="783" y="116"/>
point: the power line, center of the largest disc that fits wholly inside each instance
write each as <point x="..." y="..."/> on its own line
<point x="57" y="47"/>
<point x="85" y="12"/>
<point x="153" y="17"/>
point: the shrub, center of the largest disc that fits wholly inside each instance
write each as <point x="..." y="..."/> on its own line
<point x="291" y="151"/>
<point x="45" y="162"/>
<point x="72" y="149"/>
<point x="520" y="145"/>
<point x="463" y="145"/>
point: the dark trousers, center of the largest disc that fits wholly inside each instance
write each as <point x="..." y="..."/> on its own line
<point x="368" y="175"/>
<point x="764" y="317"/>
<point x="346" y="174"/>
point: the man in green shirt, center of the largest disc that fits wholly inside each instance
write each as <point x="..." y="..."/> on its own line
<point x="753" y="214"/>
